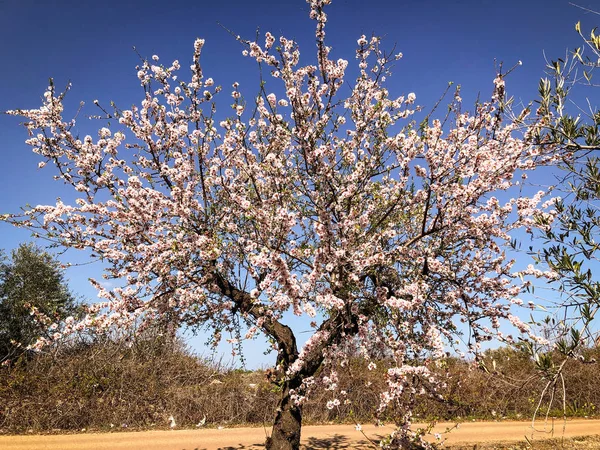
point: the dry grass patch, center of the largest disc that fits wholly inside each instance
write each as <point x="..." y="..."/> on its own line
<point x="575" y="443"/>
<point x="107" y="386"/>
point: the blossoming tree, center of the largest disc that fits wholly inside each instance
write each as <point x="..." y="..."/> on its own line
<point x="325" y="202"/>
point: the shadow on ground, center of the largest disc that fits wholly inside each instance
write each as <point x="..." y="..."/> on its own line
<point x="238" y="447"/>
<point x="336" y="442"/>
<point x="242" y="447"/>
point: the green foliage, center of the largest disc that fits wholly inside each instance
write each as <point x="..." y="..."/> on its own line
<point x="571" y="242"/>
<point x="30" y="280"/>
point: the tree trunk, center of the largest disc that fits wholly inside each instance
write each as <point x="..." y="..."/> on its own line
<point x="286" y="427"/>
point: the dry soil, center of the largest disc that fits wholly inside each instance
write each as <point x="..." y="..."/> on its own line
<point x="313" y="437"/>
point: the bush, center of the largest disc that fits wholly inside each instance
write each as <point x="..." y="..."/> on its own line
<point x="106" y="383"/>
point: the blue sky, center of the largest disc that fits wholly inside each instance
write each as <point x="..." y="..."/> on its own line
<point x="90" y="44"/>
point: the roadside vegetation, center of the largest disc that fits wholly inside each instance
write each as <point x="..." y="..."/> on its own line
<point x="105" y="383"/>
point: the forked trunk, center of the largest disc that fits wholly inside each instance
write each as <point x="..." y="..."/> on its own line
<point x="286" y="427"/>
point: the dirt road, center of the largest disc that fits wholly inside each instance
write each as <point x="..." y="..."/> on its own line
<point x="313" y="437"/>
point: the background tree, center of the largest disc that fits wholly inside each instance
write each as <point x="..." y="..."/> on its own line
<point x="571" y="241"/>
<point x="317" y="198"/>
<point x="33" y="296"/>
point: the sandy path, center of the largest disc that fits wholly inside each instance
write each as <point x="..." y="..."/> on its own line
<point x="313" y="437"/>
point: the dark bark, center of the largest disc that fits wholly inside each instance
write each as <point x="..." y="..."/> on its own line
<point x="287" y="424"/>
<point x="288" y="418"/>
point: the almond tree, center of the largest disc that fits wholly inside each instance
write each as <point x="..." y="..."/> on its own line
<point x="325" y="202"/>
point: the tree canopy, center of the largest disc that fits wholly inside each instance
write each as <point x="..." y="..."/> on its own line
<point x="33" y="296"/>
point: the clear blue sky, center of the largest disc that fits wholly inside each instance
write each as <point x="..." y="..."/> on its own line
<point x="90" y="44"/>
